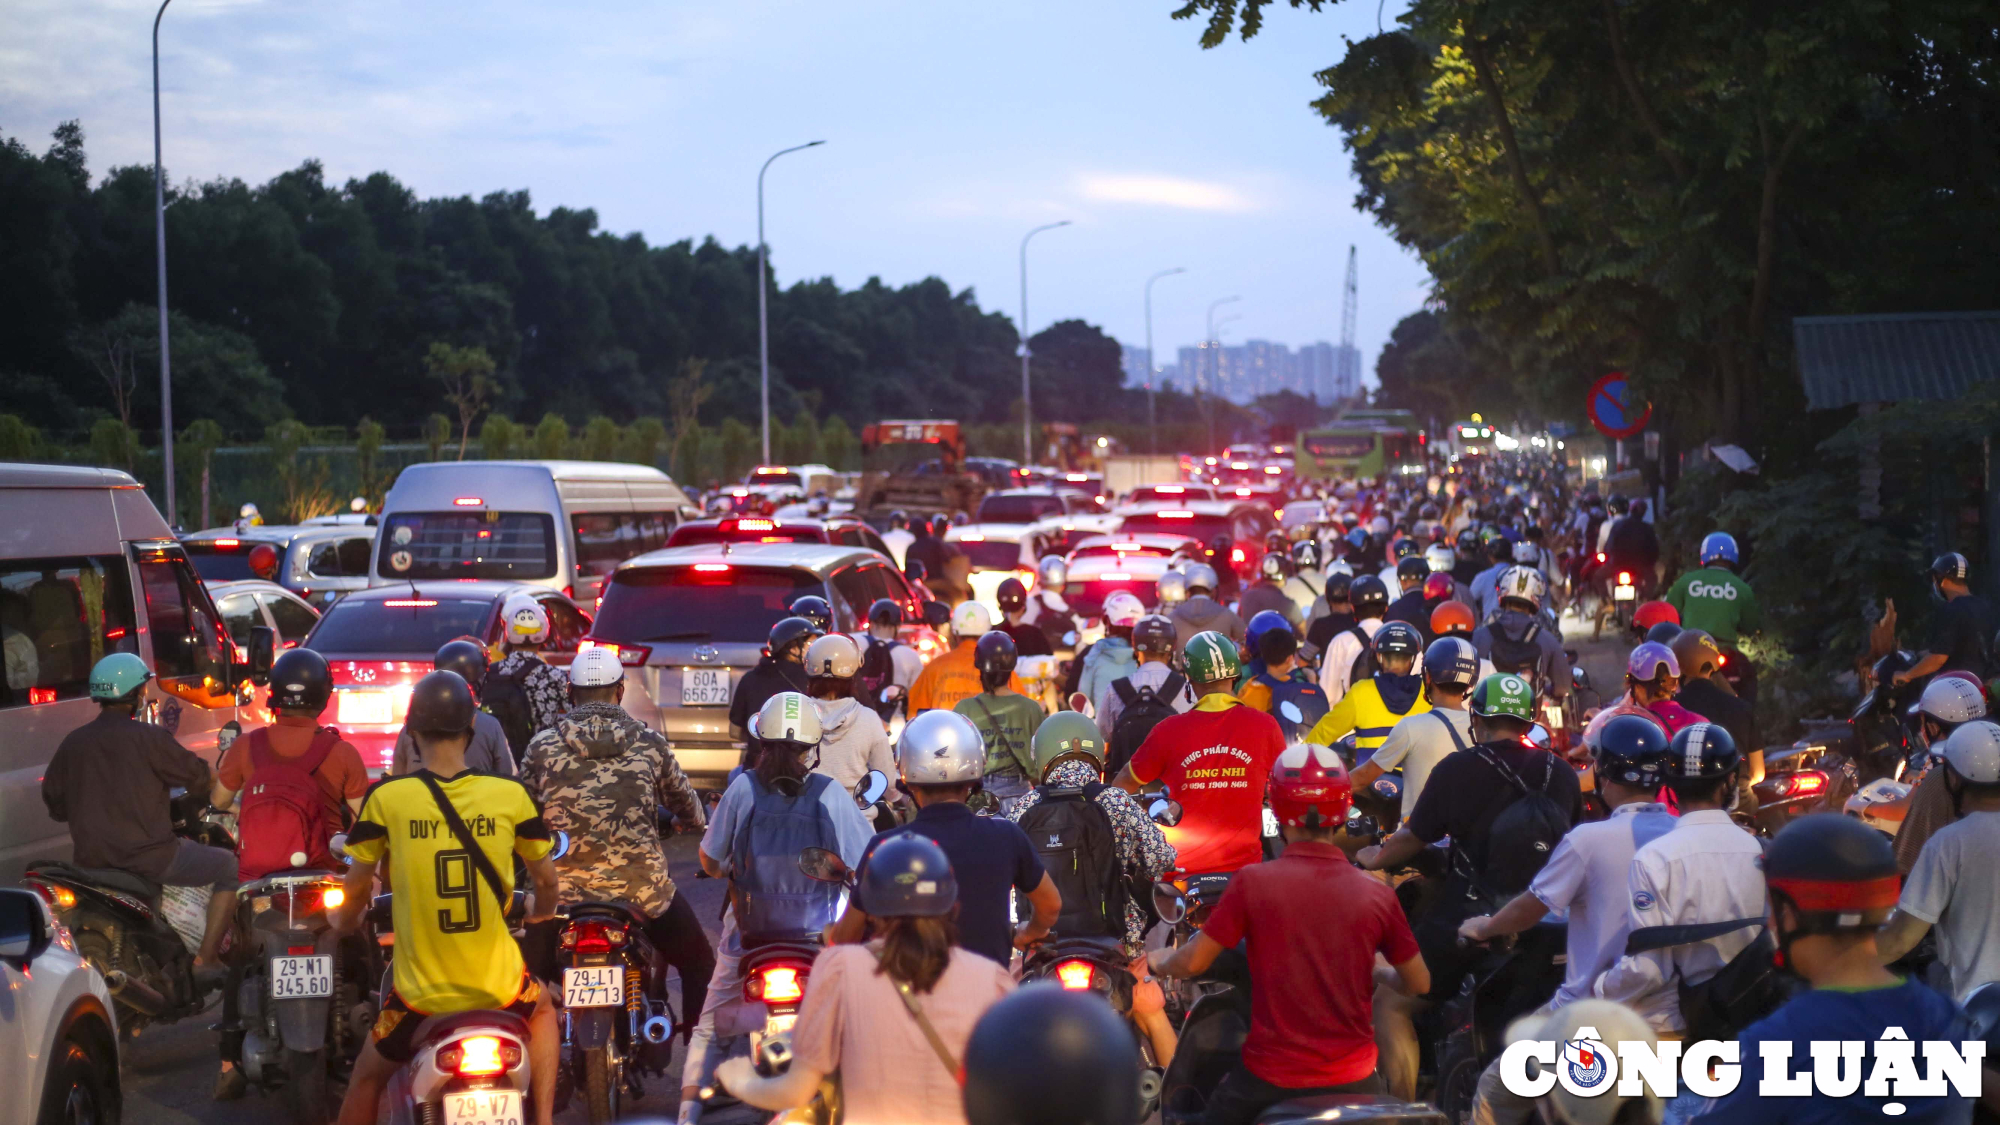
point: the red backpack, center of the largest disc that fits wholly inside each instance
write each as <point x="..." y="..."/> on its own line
<point x="283" y="809"/>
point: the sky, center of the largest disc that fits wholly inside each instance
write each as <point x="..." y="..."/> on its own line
<point x="951" y="129"/>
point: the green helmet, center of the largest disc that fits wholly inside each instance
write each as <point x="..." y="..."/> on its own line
<point x="1504" y="695"/>
<point x="1064" y="736"/>
<point x="117" y="676"/>
<point x="1211" y="656"/>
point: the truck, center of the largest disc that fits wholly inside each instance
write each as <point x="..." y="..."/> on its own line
<point x="1124" y="472"/>
<point x="916" y="466"/>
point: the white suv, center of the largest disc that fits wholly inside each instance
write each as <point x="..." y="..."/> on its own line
<point x="61" y="1063"/>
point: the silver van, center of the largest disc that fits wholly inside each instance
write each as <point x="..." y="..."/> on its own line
<point x="560" y="524"/>
<point x="87" y="568"/>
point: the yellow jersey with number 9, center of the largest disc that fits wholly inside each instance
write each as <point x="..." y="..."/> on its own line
<point x="453" y="949"/>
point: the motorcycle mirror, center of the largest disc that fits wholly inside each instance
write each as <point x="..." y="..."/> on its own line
<point x="263" y="651"/>
<point x="937" y="614"/>
<point x="337" y="846"/>
<point x="1168" y="903"/>
<point x="823" y="866"/>
<point x="871" y="788"/>
<point x="1291" y="712"/>
<point x="1165" y="812"/>
<point x="562" y="845"/>
<point x="892" y="694"/>
<point x="1079" y="702"/>
<point x="1069" y="638"/>
<point x="225" y="737"/>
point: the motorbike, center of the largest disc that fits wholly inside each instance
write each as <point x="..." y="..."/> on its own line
<point x="1836" y="758"/>
<point x="615" y="1019"/>
<point x="1517" y="976"/>
<point x="1097" y="964"/>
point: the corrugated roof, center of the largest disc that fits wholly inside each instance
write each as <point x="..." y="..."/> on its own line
<point x="1894" y="357"/>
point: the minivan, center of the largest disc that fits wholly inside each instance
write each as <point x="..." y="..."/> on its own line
<point x="88" y="568"/>
<point x="559" y="524"/>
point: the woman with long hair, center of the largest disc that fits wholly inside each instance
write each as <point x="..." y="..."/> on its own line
<point x="892" y="1016"/>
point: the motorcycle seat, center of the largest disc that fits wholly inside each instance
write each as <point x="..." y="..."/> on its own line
<point x="1377" y="1109"/>
<point x="1111" y="947"/>
<point x="621" y="910"/>
<point x="435" y="1028"/>
<point x="109" y="878"/>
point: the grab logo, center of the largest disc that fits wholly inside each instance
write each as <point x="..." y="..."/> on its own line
<point x="1721" y="590"/>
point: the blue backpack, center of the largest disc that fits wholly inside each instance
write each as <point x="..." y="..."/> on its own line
<point x="772" y="899"/>
<point x="1307" y="696"/>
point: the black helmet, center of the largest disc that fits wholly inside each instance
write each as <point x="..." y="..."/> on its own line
<point x="1220" y="545"/>
<point x="914" y="570"/>
<point x="1616" y="504"/>
<point x="440" y="704"/>
<point x="940" y="524"/>
<point x="790" y="631"/>
<point x="1155" y="635"/>
<point x="1012" y="596"/>
<point x="1633" y="750"/>
<point x="1467" y="543"/>
<point x="1398" y="638"/>
<point x="995" y="653"/>
<point x="1404" y="548"/>
<point x="301" y="681"/>
<point x="813" y="608"/>
<point x="1052" y="1057"/>
<point x="899" y="519"/>
<point x="885" y="611"/>
<point x="1274" y="541"/>
<point x="1664" y="633"/>
<point x="1412" y="566"/>
<point x="1370" y="596"/>
<point x="1836" y="873"/>
<point x="1339" y="586"/>
<point x="1700" y="752"/>
<point x="1950" y="565"/>
<point x="464" y="656"/>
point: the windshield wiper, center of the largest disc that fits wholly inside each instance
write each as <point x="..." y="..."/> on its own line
<point x="685" y="635"/>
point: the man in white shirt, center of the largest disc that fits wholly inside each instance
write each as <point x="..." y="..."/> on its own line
<point x="1418" y="742"/>
<point x="898" y="538"/>
<point x="1371" y="598"/>
<point x="1952" y="885"/>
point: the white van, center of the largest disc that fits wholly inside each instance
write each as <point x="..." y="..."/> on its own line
<point x="87" y="568"/>
<point x="560" y="524"/>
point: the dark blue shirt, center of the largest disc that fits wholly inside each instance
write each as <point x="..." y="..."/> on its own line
<point x="991" y="856"/>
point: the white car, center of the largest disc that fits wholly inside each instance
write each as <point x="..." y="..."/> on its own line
<point x="59" y="1062"/>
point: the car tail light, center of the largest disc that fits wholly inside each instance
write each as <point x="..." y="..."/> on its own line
<point x="1074" y="975"/>
<point x="1170" y="490"/>
<point x="409" y="603"/>
<point x="711" y="568"/>
<point x="1176" y="515"/>
<point x="41" y="695"/>
<point x="479" y="1056"/>
<point x="972" y="537"/>
<point x="1272" y="470"/>
<point x="225" y="544"/>
<point x="1236" y="555"/>
<point x="775" y="984"/>
<point x="467" y="502"/>
<point x="1115" y="576"/>
<point x="756" y="524"/>
<point x="632" y="656"/>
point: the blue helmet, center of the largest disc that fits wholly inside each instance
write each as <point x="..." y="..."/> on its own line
<point x="907" y="876"/>
<point x="1633" y="750"/>
<point x="1261" y="624"/>
<point x="1718" y="546"/>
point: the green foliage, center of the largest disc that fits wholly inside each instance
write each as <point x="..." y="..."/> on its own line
<point x="737" y="450"/>
<point x="642" y="441"/>
<point x="436" y="435"/>
<point x="18" y="440"/>
<point x="551" y="437"/>
<point x="113" y="443"/>
<point x="371" y="481"/>
<point x="500" y="438"/>
<point x="304" y="483"/>
<point x="194" y="451"/>
<point x="839" y="448"/>
<point x="802" y="441"/>
<point x="600" y="439"/>
<point x="466" y="376"/>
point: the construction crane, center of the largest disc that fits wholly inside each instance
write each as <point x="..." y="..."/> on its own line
<point x="1347" y="380"/>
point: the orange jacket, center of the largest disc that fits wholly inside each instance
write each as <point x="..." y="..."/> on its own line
<point x="949" y="680"/>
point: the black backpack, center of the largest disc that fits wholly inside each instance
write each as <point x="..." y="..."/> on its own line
<point x="1144" y="708"/>
<point x="506" y="699"/>
<point x="878" y="670"/>
<point x="1519" y="658"/>
<point x="1072" y="834"/>
<point x="1364" y="664"/>
<point x="1524" y="834"/>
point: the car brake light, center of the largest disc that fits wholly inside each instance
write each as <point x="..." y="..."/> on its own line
<point x="41" y="695"/>
<point x="777" y="984"/>
<point x="1114" y="576"/>
<point x="1236" y="555"/>
<point x="468" y="502"/>
<point x="711" y="568"/>
<point x="226" y="544"/>
<point x="1176" y="515"/>
<point x="409" y="603"/>
<point x="1074" y="975"/>
<point x="1272" y="470"/>
<point x="756" y="525"/>
<point x="1128" y="547"/>
<point x="1239" y="464"/>
<point x="1170" y="490"/>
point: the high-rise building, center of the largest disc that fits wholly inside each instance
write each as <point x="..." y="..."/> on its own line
<point x="1243" y="372"/>
<point x="1136" y="362"/>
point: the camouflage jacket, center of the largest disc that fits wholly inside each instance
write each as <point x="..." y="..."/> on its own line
<point x="602" y="776"/>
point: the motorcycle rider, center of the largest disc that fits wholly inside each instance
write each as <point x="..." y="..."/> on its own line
<point x="1268" y="592"/>
<point x="602" y="776"/>
<point x="1028" y="639"/>
<point x="1631" y="545"/>
<point x="1047" y="610"/>
<point x="489" y="752"/>
<point x="1715" y="600"/>
<point x="1313" y="926"/>
<point x="1950" y="700"/>
<point x="946" y="569"/>
<point x="1586" y="879"/>
<point x="1470" y="560"/>
<point x="850" y="744"/>
<point x="1652" y="676"/>
<point x="1170" y="592"/>
<point x="1481" y="587"/>
<point x="1334" y="613"/>
<point x="884" y="642"/>
<point x="1111" y="658"/>
<point x="1006" y="719"/>
<point x="1345" y="649"/>
<point x="454" y="952"/>
<point x="301" y="685"/>
<point x="1412" y="572"/>
<point x="1417" y="744"/>
<point x="1517" y="636"/>
<point x="952" y="678"/>
<point x="898" y="537"/>
<point x="1154" y="642"/>
<point x="1706" y="695"/>
<point x="1374" y="706"/>
<point x="1281" y="678"/>
<point x="523" y="691"/>
<point x="1201" y="612"/>
<point x="1951" y="888"/>
<point x="780" y="669"/>
<point x="1961" y="626"/>
<point x="1222" y="556"/>
<point x="1307" y="581"/>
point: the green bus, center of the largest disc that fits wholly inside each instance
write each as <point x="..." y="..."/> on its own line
<point x="1346" y="450"/>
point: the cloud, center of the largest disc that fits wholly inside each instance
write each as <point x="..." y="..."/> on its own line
<point x="1166" y="191"/>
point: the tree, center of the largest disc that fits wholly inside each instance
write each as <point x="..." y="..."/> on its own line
<point x="551" y="437"/>
<point x="372" y="481"/>
<point x="467" y="377"/>
<point x="600" y="439"/>
<point x="685" y="397"/>
<point x="304" y="485"/>
<point x="641" y="442"/>
<point x="436" y="435"/>
<point x="838" y="445"/>
<point x="738" y="451"/>
<point x="114" y="349"/>
<point x="113" y="443"/>
<point x="18" y="440"/>
<point x="196" y="448"/>
<point x="499" y="438"/>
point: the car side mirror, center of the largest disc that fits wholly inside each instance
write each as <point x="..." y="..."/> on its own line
<point x="937" y="614"/>
<point x="823" y="866"/>
<point x="24" y="928"/>
<point x="263" y="653"/>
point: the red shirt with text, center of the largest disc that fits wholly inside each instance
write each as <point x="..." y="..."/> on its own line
<point x="1215" y="760"/>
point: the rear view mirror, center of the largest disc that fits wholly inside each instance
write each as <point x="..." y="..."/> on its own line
<point x="937" y="614"/>
<point x="562" y="845"/>
<point x="1069" y="638"/>
<point x="24" y="932"/>
<point x="337" y="846"/>
<point x="1168" y="903"/>
<point x="263" y="653"/>
<point x="892" y="694"/>
<point x="823" y="866"/>
<point x="871" y="788"/>
<point x="1165" y="812"/>
<point x="1079" y="702"/>
<point x="1291" y="712"/>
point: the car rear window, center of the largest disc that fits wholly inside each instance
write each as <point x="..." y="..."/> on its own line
<point x="228" y="561"/>
<point x="1018" y="509"/>
<point x="990" y="554"/>
<point x="686" y="535"/>
<point x="713" y="602"/>
<point x="1197" y="525"/>
<point x="417" y="624"/>
<point x="468" y="545"/>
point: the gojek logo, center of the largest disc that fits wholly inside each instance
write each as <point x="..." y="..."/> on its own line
<point x="1885" y="1070"/>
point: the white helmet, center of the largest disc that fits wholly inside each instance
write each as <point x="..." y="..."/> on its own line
<point x="1053" y="573"/>
<point x="940" y="748"/>
<point x="1439" y="557"/>
<point x="1339" y="566"/>
<point x="1200" y="576"/>
<point x="1172" y="590"/>
<point x="1123" y="609"/>
<point x="1952" y="699"/>
<point x="971" y="619"/>
<point x="527" y="622"/>
<point x="595" y="667"/>
<point x="787" y="717"/>
<point x="1973" y="752"/>
<point x="835" y="656"/>
<point x="1579" y="1030"/>
<point x="1525" y="583"/>
<point x="1526" y="554"/>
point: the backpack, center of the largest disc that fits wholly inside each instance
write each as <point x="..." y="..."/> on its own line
<point x="1524" y="835"/>
<point x="1519" y="658"/>
<point x="1364" y="664"/>
<point x="1143" y="710"/>
<point x="772" y="899"/>
<point x="1748" y="988"/>
<point x="283" y="811"/>
<point x="878" y="670"/>
<point x="1306" y="696"/>
<point x="505" y="697"/>
<point x="1072" y="833"/>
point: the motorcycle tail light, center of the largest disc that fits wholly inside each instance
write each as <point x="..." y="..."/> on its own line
<point x="775" y="984"/>
<point x="332" y="897"/>
<point x="1624" y="579"/>
<point x="592" y="937"/>
<point x="1807" y="782"/>
<point x="59" y="897"/>
<point x="1074" y="975"/>
<point x="298" y="950"/>
<point x="479" y="1056"/>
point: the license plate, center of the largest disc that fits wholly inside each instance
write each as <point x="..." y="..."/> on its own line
<point x="780" y="1022"/>
<point x="704" y="687"/>
<point x="594" y="986"/>
<point x="1624" y="594"/>
<point x="371" y="708"/>
<point x="1270" y="823"/>
<point x="484" y="1107"/>
<point x="301" y="978"/>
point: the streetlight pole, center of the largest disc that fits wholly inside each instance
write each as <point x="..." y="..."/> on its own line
<point x="763" y="311"/>
<point x="1027" y="395"/>
<point x="1215" y="366"/>
<point x="160" y="257"/>
<point x="1152" y="408"/>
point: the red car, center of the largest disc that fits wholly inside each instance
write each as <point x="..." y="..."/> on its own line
<point x="1244" y="523"/>
<point x="1173" y="548"/>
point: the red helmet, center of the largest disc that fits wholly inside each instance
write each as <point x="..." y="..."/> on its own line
<point x="1438" y="587"/>
<point x="1309" y="787"/>
<point x="1452" y="619"/>
<point x="1650" y="614"/>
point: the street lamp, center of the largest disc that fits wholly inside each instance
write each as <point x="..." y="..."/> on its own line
<point x="1152" y="408"/>
<point x="1027" y="395"/>
<point x="1215" y="365"/>
<point x="160" y="257"/>
<point x="763" y="313"/>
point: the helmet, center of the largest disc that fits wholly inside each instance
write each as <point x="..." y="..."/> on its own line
<point x="527" y="622"/>
<point x="1590" y="1026"/>
<point x="1973" y="752"/>
<point x="1412" y="568"/>
<point x="1616" y="504"/>
<point x="1211" y="657"/>
<point x="1453" y="618"/>
<point x="1649" y="614"/>
<point x="1451" y="662"/>
<point x="1951" y="565"/>
<point x="1305" y="554"/>
<point x="1440" y="557"/>
<point x="1522" y="583"/>
<point x="907" y="876"/>
<point x="117" y="677"/>
<point x="885" y="611"/>
<point x="1200" y="577"/>
<point x="914" y="569"/>
<point x="1951" y="700"/>
<point x="1837" y="873"/>
<point x="1527" y="553"/>
<point x="995" y="653"/>
<point x="1172" y="589"/>
<point x="1632" y="750"/>
<point x="595" y="667"/>
<point x="1339" y="584"/>
<point x="899" y="519"/>
<point x="1052" y="572"/>
<point x="1123" y="609"/>
<point x="441" y="704"/>
<point x="1220" y="544"/>
<point x="940" y="748"/>
<point x="1468" y="543"/>
<point x="1066" y="736"/>
<point x="787" y="717"/>
<point x="834" y="656"/>
<point x="813" y="608"/>
<point x="301" y="681"/>
<point x="940" y="523"/>
<point x="1504" y="695"/>
<point x="1370" y="596"/>
<point x="789" y="632"/>
<point x="1155" y="635"/>
<point x="1012" y="596"/>
<point x="971" y="619"/>
<point x="1309" y="787"/>
<point x="1274" y="542"/>
<point x="1700" y="751"/>
<point x="1718" y="547"/>
<point x="465" y="656"/>
<point x="1664" y="633"/>
<point x="1275" y="565"/>
<point x="1649" y="659"/>
<point x="1050" y="1056"/>
<point x="1403" y="548"/>
<point x="1261" y="623"/>
<point x="1695" y="651"/>
<point x="1398" y="638"/>
<point x="1439" y="587"/>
